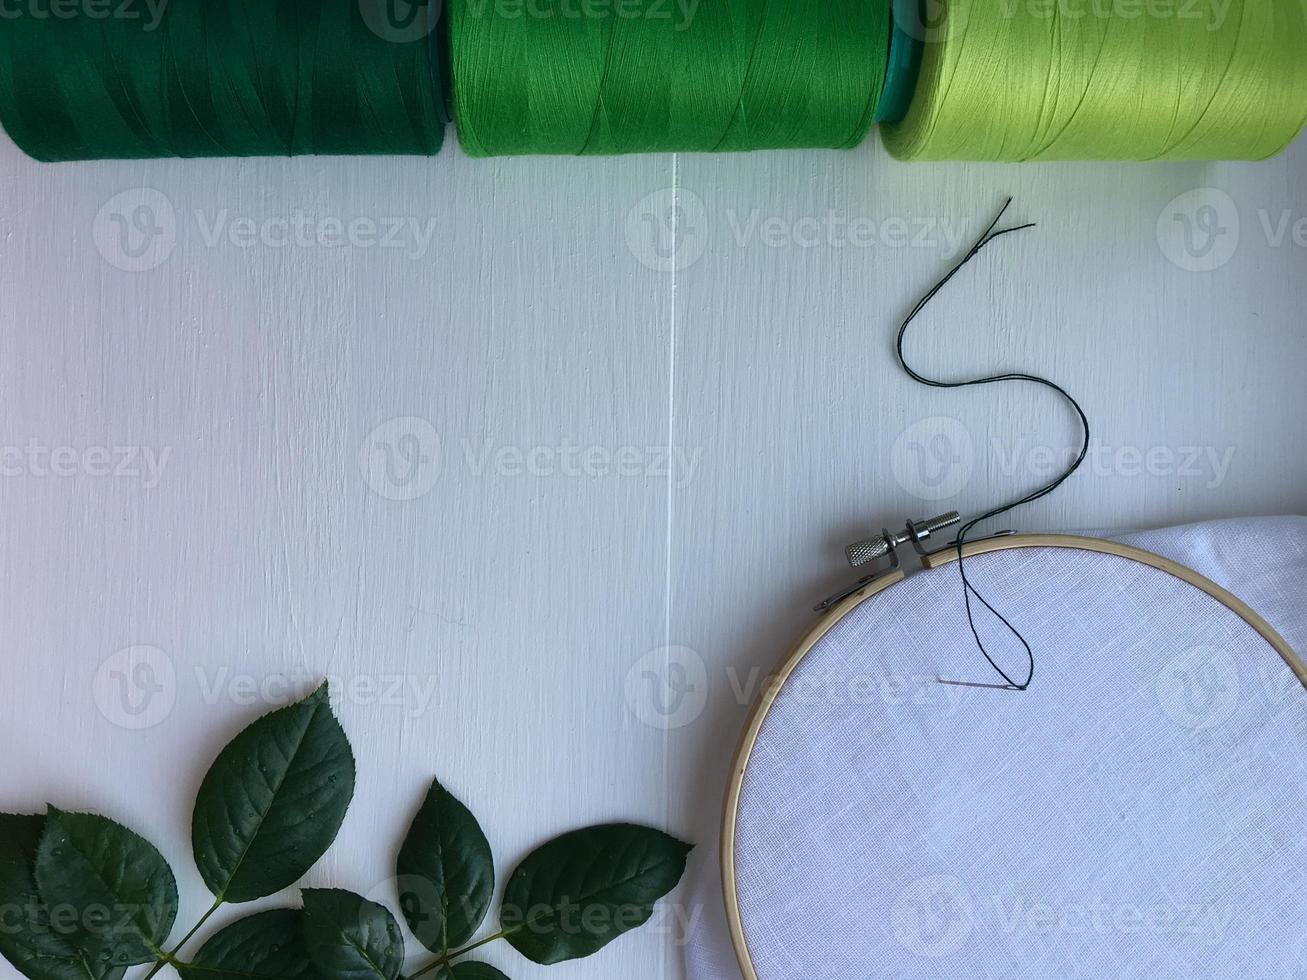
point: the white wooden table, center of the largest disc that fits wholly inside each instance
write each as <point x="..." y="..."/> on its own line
<point x="541" y="484"/>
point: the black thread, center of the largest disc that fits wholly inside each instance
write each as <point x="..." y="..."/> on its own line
<point x="969" y="590"/>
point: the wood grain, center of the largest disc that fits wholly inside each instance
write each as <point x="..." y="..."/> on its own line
<point x="559" y="624"/>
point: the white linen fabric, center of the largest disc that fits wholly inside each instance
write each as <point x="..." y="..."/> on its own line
<point x="1134" y="814"/>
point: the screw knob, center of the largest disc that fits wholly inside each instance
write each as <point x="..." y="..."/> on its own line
<point x="871" y="549"/>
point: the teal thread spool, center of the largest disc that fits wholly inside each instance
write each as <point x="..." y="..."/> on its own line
<point x="903" y="68"/>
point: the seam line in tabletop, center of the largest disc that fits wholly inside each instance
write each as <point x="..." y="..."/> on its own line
<point x="670" y="514"/>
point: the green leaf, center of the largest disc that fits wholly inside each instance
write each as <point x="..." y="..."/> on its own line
<point x="350" y="938"/>
<point x="578" y="893"/>
<point x="273" y="801"/>
<point x="112" y="883"/>
<point x="264" y="946"/>
<point x="468" y="970"/>
<point x="471" y="970"/>
<point x="446" y="873"/>
<point x="28" y="940"/>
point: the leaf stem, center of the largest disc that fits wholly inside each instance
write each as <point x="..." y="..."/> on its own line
<point x="171" y="957"/>
<point x="449" y="957"/>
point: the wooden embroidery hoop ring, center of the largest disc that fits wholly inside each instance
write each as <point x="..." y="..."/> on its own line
<point x="939" y="559"/>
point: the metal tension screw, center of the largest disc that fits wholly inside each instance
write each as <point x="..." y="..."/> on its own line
<point x="862" y="552"/>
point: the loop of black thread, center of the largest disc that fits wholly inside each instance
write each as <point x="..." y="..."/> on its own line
<point x="969" y="590"/>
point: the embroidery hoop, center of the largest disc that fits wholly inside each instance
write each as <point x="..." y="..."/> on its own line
<point x="867" y="589"/>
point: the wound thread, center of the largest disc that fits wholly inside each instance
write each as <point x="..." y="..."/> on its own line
<point x="1015" y="80"/>
<point x="640" y="76"/>
<point x="218" y="78"/>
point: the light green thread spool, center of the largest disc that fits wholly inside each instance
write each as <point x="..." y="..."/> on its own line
<point x="1108" y="80"/>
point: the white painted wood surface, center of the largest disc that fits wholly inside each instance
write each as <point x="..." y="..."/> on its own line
<point x="569" y="619"/>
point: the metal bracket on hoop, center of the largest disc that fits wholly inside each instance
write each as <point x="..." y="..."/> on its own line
<point x="884" y="550"/>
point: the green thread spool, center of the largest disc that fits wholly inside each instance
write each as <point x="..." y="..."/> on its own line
<point x="215" y="78"/>
<point x="635" y="76"/>
<point x="1018" y="80"/>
